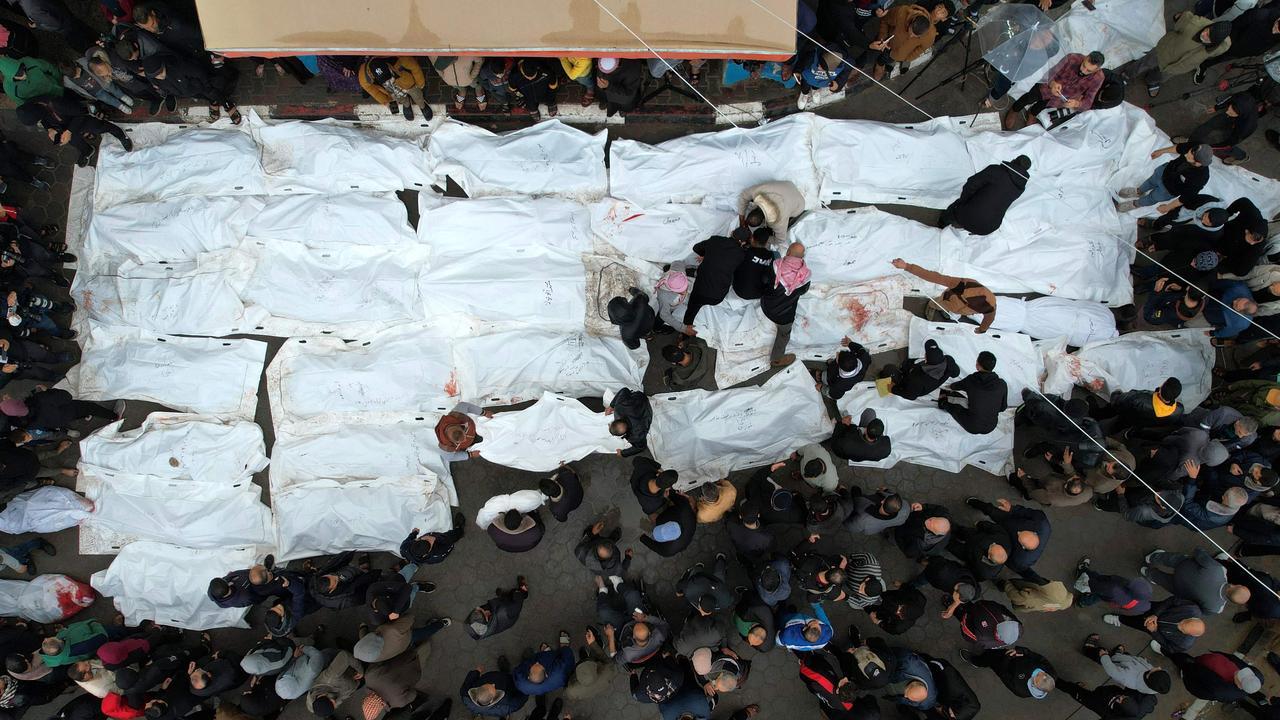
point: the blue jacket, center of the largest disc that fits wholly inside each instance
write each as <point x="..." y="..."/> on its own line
<point x="1227" y="323"/>
<point x="911" y="666"/>
<point x="510" y="701"/>
<point x="559" y="665"/>
<point x="791" y="629"/>
<point x="1199" y="515"/>
<point x="817" y="75"/>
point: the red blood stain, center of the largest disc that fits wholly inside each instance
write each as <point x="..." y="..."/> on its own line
<point x="451" y="387"/>
<point x="74" y="598"/>
<point x="858" y="313"/>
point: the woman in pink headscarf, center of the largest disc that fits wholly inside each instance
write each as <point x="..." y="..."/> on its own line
<point x="790" y="281"/>
<point x="672" y="292"/>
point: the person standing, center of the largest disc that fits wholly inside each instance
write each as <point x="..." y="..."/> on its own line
<point x="790" y="281"/>
<point x="673" y="527"/>
<point x="986" y="397"/>
<point x="1197" y="577"/>
<point x="1173" y="623"/>
<point x="774" y="204"/>
<point x="1231" y="121"/>
<point x="754" y="275"/>
<point x="1125" y="670"/>
<point x="987" y="196"/>
<point x="720" y="257"/>
<point x="1026" y="673"/>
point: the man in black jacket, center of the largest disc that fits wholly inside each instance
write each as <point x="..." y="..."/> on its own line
<point x="635" y="318"/>
<point x="564" y="492"/>
<point x="1111" y="702"/>
<point x="956" y="700"/>
<point x="1027" y="674"/>
<point x="651" y="484"/>
<point x="720" y="257"/>
<point x="841" y="373"/>
<point x="1235" y="119"/>
<point x="499" y="613"/>
<point x="986" y="197"/>
<point x="1174" y="183"/>
<point x="1142" y="408"/>
<point x="754" y="275"/>
<point x="986" y="393"/>
<point x="1218" y="676"/>
<point x="926" y="533"/>
<point x="1028" y="530"/>
<point x="922" y="376"/>
<point x="864" y="442"/>
<point x="620" y="82"/>
<point x="790" y="281"/>
<point x="984" y="549"/>
<point x="1243" y="241"/>
<point x="1253" y="32"/>
<point x="632" y="416"/>
<point x="673" y="527"/>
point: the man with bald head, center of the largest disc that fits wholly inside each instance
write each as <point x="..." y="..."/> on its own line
<point x="926" y="533"/>
<point x="1028" y="531"/>
<point x="1197" y="577"/>
<point x="1173" y="623"/>
<point x="780" y="302"/>
<point x="984" y="549"/>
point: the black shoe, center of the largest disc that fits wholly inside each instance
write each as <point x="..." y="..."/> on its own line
<point x="855" y="637"/>
<point x="60" y="280"/>
<point x="1273" y="138"/>
<point x="66" y="257"/>
<point x="1273" y="660"/>
<point x="459" y="522"/>
<point x="269" y="562"/>
<point x="556" y="707"/>
<point x="31" y="568"/>
<point x="41" y="161"/>
<point x="967" y="656"/>
<point x="426" y="587"/>
<point x="1198" y="77"/>
<point x="170" y="103"/>
<point x="408" y="111"/>
<point x="973" y="502"/>
<point x="39" y="184"/>
<point x="504" y="665"/>
<point x="127" y="144"/>
<point x="153" y="108"/>
<point x="48" y="548"/>
<point x="427" y="112"/>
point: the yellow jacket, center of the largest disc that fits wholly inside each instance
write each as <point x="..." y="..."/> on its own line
<point x="408" y="76"/>
<point x="575" y="67"/>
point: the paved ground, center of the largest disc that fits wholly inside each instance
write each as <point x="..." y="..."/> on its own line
<point x="561" y="589"/>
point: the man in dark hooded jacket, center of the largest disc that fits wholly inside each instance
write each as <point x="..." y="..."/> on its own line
<point x="632" y="416"/>
<point x="986" y="395"/>
<point x="956" y="700"/>
<point x="987" y="195"/>
<point x="634" y="317"/>
<point x="921" y="377"/>
<point x="720" y="259"/>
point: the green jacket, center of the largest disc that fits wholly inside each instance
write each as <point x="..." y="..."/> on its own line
<point x="1250" y="398"/>
<point x="80" y="641"/>
<point x="1180" y="50"/>
<point x="43" y="78"/>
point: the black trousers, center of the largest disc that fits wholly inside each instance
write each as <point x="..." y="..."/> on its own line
<point x="1031" y="102"/>
<point x="696" y="303"/>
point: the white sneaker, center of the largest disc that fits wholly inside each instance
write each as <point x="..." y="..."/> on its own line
<point x="1130" y="193"/>
<point x="802" y="101"/>
<point x="1126" y="206"/>
<point x="1156" y="646"/>
<point x="1147" y="559"/>
<point x="1111" y="619"/>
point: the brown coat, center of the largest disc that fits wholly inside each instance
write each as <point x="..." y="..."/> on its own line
<point x="897" y="23"/>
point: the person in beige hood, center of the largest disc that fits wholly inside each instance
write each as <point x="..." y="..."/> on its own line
<point x="335" y="684"/>
<point x="775" y="203"/>
<point x="460" y="73"/>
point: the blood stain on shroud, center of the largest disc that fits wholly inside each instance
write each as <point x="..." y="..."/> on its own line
<point x="451" y="387"/>
<point x="859" y="315"/>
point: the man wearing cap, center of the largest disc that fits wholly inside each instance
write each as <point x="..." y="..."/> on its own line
<point x="1129" y="671"/>
<point x="499" y="613"/>
<point x="1218" y="676"/>
<point x="927" y="531"/>
<point x="775" y="203"/>
<point x="863" y="442"/>
<point x="673" y="527"/>
<point x="898" y="610"/>
<point x="923" y="375"/>
<point x="1026" y="673"/>
<point x="827" y="513"/>
<point x="719" y="258"/>
<point x="515" y="531"/>
<point x="987" y="195"/>
<point x="1197" y="577"/>
<point x="707" y="591"/>
<point x="988" y="625"/>
<point x="1172" y="183"/>
<point x="820" y="576"/>
<point x="773" y="581"/>
<point x="1244" y="237"/>
<point x="335" y="684"/>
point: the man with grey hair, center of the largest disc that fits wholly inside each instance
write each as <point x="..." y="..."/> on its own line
<point x="1227" y="425"/>
<point x="1206" y="512"/>
<point x="1196" y="577"/>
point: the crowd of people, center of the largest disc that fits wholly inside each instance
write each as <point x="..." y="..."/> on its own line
<point x="1138" y="454"/>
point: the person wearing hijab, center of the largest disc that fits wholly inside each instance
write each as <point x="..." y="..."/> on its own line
<point x="963" y="296"/>
<point x="672" y="292"/>
<point x="790" y="281"/>
<point x="921" y="376"/>
<point x="620" y="82"/>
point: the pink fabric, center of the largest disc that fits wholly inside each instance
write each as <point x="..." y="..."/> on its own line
<point x="791" y="273"/>
<point x="675" y="281"/>
<point x="13" y="407"/>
